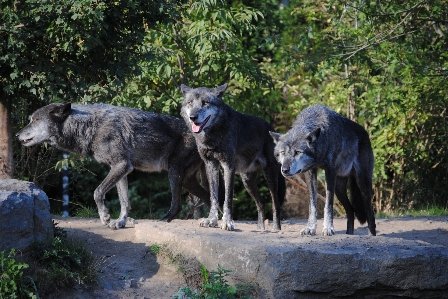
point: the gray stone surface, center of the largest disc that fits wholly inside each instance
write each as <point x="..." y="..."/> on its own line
<point x="24" y="215"/>
<point x="408" y="258"/>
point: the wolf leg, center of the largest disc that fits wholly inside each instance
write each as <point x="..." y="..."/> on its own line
<point x="271" y="175"/>
<point x="116" y="173"/>
<point x="122" y="188"/>
<point x="176" y="176"/>
<point x="212" y="168"/>
<point x="341" y="193"/>
<point x="311" y="181"/>
<point x="250" y="183"/>
<point x="364" y="182"/>
<point x="229" y="181"/>
<point x="192" y="185"/>
<point x="330" y="184"/>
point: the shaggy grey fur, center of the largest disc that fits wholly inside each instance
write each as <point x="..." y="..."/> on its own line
<point x="238" y="142"/>
<point x="124" y="139"/>
<point x="321" y="138"/>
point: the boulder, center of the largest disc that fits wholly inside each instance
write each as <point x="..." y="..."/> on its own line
<point x="24" y="215"/>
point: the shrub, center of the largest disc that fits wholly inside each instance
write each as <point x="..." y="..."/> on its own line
<point x="11" y="283"/>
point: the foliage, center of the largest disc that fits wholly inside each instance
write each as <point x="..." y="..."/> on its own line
<point x="384" y="66"/>
<point x="11" y="272"/>
<point x="64" y="263"/>
<point x="203" y="48"/>
<point x="215" y="287"/>
<point x="68" y="50"/>
<point x="429" y="211"/>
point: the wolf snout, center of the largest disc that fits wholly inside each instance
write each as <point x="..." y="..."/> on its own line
<point x="285" y="169"/>
<point x="193" y="117"/>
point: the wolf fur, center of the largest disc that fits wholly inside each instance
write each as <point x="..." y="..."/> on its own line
<point x="237" y="142"/>
<point x="124" y="139"/>
<point x="321" y="138"/>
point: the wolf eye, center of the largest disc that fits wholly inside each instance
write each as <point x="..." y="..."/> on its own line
<point x="297" y="153"/>
<point x="205" y="103"/>
<point x="190" y="103"/>
<point x="282" y="152"/>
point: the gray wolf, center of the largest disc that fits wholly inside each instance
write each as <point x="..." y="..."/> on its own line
<point x="321" y="138"/>
<point x="124" y="139"/>
<point x="237" y="142"/>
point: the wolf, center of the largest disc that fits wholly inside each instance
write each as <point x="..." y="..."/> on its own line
<point x="322" y="138"/>
<point x="237" y="142"/>
<point x="124" y="139"/>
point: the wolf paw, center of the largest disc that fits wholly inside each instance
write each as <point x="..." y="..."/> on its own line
<point x="117" y="224"/>
<point x="227" y="225"/>
<point x="227" y="222"/>
<point x="328" y="231"/>
<point x="105" y="219"/>
<point x="207" y="222"/>
<point x="308" y="231"/>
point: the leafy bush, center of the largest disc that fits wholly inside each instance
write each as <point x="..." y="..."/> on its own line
<point x="11" y="272"/>
<point x="63" y="263"/>
<point x="215" y="287"/>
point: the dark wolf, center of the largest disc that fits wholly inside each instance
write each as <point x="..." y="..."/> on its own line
<point x="124" y="139"/>
<point x="321" y="138"/>
<point x="237" y="142"/>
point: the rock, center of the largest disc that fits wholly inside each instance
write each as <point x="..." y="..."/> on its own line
<point x="287" y="266"/>
<point x="24" y="215"/>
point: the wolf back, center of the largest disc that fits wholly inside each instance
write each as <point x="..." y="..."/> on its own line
<point x="124" y="139"/>
<point x="322" y="138"/>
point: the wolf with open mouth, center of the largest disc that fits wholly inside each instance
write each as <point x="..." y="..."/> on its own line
<point x="237" y="142"/>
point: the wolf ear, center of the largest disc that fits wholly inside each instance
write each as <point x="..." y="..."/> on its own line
<point x="184" y="89"/>
<point x="275" y="136"/>
<point x="313" y="136"/>
<point x="61" y="112"/>
<point x="219" y="91"/>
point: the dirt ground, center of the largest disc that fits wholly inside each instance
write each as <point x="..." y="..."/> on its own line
<point x="128" y="270"/>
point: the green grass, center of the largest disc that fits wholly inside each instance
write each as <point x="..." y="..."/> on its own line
<point x="86" y="212"/>
<point x="12" y="285"/>
<point x="63" y="263"/>
<point x="215" y="286"/>
<point x="201" y="284"/>
<point x="430" y="211"/>
<point x="53" y="266"/>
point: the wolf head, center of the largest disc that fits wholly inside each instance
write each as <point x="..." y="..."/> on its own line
<point x="295" y="152"/>
<point x="201" y="106"/>
<point x="44" y="122"/>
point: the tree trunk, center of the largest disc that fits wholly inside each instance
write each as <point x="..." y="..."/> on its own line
<point x="6" y="156"/>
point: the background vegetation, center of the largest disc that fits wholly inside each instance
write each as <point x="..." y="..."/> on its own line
<point x="383" y="64"/>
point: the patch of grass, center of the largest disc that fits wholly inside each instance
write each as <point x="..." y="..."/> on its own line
<point x="63" y="263"/>
<point x="12" y="285"/>
<point x="86" y="212"/>
<point x="200" y="283"/>
<point x="430" y="211"/>
<point x="215" y="287"/>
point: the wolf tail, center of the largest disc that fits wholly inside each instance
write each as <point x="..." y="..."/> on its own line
<point x="357" y="201"/>
<point x="281" y="190"/>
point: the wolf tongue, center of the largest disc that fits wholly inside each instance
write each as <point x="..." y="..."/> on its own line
<point x="195" y="128"/>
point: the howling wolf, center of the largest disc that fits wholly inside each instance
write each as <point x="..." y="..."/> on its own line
<point x="124" y="139"/>
<point x="238" y="142"/>
<point x="321" y="138"/>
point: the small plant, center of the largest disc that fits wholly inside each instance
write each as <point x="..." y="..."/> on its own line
<point x="11" y="272"/>
<point x="429" y="211"/>
<point x="86" y="212"/>
<point x="215" y="287"/>
<point x="155" y="249"/>
<point x="63" y="263"/>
